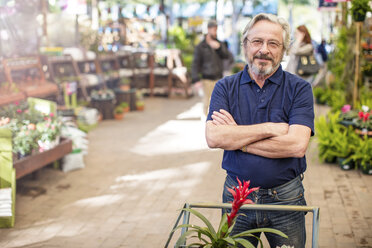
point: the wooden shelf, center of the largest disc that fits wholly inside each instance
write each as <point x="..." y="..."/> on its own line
<point x="34" y="162"/>
<point x="27" y="74"/>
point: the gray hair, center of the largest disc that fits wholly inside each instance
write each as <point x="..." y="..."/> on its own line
<point x="271" y="18"/>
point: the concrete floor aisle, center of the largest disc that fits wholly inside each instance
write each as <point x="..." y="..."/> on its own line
<point x="142" y="169"/>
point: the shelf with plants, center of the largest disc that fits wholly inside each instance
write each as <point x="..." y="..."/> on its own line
<point x="27" y="74"/>
<point x="110" y="69"/>
<point x="36" y="139"/>
<point x="9" y="92"/>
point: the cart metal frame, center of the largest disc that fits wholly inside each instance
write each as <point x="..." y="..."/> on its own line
<point x="313" y="209"/>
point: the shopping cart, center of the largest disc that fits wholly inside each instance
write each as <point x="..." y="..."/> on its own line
<point x="186" y="215"/>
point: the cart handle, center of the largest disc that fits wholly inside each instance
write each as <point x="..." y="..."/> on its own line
<point x="264" y="207"/>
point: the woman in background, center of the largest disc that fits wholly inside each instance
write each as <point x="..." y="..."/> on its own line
<point x="301" y="46"/>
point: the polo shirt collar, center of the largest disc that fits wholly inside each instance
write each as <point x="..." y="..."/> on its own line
<point x="276" y="78"/>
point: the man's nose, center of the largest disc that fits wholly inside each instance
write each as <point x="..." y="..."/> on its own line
<point x="264" y="48"/>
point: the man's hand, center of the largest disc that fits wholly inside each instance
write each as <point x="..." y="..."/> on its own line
<point x="223" y="118"/>
<point x="212" y="43"/>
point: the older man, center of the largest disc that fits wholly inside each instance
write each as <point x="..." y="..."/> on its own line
<point x="263" y="118"/>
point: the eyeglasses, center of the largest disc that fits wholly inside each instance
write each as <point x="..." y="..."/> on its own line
<point x="271" y="44"/>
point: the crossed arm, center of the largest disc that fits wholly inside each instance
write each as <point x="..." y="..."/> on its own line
<point x="271" y="140"/>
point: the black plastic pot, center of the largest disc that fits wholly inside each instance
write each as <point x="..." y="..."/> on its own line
<point x="345" y="166"/>
<point x="367" y="169"/>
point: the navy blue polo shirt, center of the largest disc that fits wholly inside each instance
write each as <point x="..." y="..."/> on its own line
<point x="283" y="98"/>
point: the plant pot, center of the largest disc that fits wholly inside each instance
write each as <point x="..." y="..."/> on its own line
<point x="348" y="166"/>
<point x="358" y="17"/>
<point x="140" y="108"/>
<point x="367" y="169"/>
<point x="347" y="123"/>
<point x="330" y="160"/>
<point x="126" y="109"/>
<point x="363" y="132"/>
<point x="125" y="87"/>
<point x="119" y="116"/>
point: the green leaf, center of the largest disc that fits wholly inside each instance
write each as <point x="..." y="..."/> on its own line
<point x="205" y="220"/>
<point x="196" y="244"/>
<point x="229" y="240"/>
<point x="257" y="230"/>
<point x="223" y="227"/>
<point x="183" y="237"/>
<point x="198" y="229"/>
<point x="245" y="243"/>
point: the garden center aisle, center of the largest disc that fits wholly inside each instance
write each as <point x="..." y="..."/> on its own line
<point x="140" y="171"/>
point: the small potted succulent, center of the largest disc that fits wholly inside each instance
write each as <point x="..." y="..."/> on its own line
<point x="124" y="84"/>
<point x="124" y="106"/>
<point x="118" y="113"/>
<point x="140" y="105"/>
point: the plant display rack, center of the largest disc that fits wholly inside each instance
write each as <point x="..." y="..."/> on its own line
<point x="34" y="162"/>
<point x="28" y="76"/>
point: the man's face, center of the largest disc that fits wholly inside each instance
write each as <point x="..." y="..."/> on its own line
<point x="212" y="31"/>
<point x="264" y="49"/>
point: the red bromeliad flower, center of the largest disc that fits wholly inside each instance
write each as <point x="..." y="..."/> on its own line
<point x="240" y="194"/>
<point x="365" y="117"/>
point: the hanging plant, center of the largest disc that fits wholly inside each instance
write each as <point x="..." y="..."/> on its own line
<point x="359" y="9"/>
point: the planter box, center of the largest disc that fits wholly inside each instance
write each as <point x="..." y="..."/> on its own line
<point x="34" y="162"/>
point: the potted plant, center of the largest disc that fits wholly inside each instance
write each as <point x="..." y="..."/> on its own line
<point x="50" y="130"/>
<point x="364" y="121"/>
<point x="140" y="105"/>
<point x="222" y="238"/>
<point x="359" y="9"/>
<point x="363" y="155"/>
<point x="325" y="129"/>
<point x="124" y="84"/>
<point x="344" y="141"/>
<point x="124" y="106"/>
<point x="348" y="116"/>
<point x="118" y="113"/>
<point x="24" y="139"/>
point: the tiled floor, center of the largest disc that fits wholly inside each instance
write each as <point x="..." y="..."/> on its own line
<point x="142" y="169"/>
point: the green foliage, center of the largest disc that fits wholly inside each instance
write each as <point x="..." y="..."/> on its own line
<point x="325" y="129"/>
<point x="25" y="138"/>
<point x="140" y="103"/>
<point x="208" y="237"/>
<point x="124" y="105"/>
<point x="365" y="96"/>
<point x="185" y="42"/>
<point x="341" y="62"/>
<point x="363" y="152"/>
<point x="332" y="97"/>
<point x="359" y="7"/>
<point x="118" y="110"/>
<point x="344" y="140"/>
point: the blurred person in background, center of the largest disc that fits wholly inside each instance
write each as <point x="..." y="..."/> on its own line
<point x="302" y="45"/>
<point x="322" y="59"/>
<point x="207" y="65"/>
<point x="263" y="118"/>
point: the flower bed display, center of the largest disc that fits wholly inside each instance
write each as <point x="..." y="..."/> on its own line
<point x="32" y="131"/>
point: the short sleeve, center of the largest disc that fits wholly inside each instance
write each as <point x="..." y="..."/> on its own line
<point x="219" y="98"/>
<point x="302" y="110"/>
